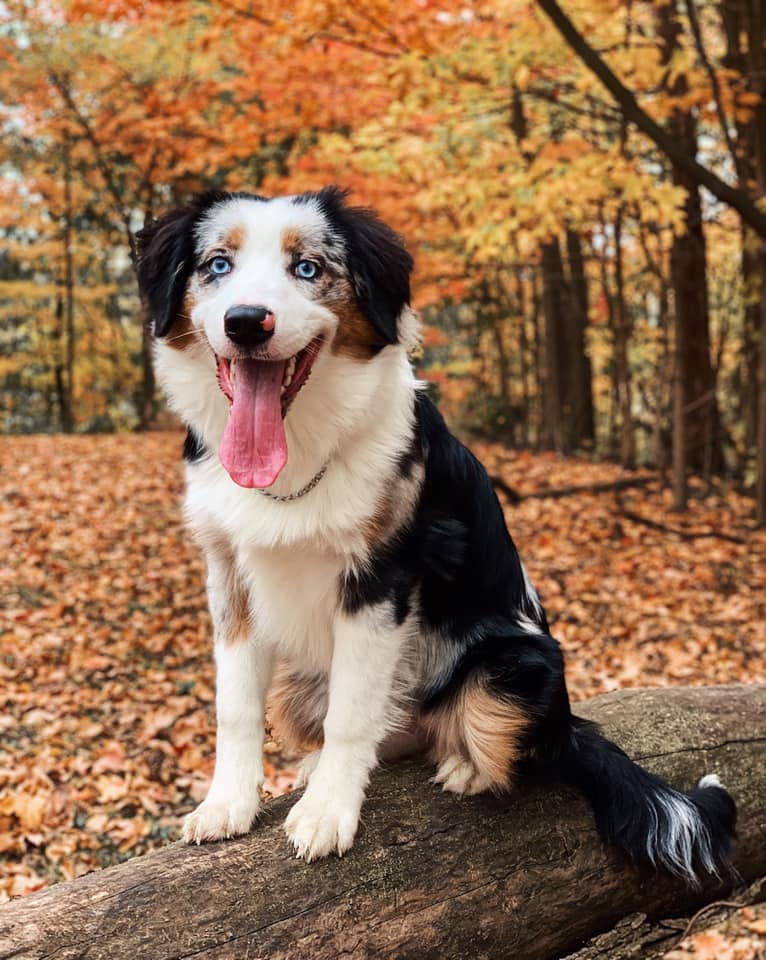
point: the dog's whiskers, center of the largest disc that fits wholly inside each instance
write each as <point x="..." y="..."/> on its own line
<point x="186" y="333"/>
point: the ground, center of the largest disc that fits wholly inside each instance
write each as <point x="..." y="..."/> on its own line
<point x="106" y="731"/>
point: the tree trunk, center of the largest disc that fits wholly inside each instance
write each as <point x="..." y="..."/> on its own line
<point x="756" y="61"/>
<point x="579" y="400"/>
<point x="59" y="369"/>
<point x="680" y="466"/>
<point x="521" y="311"/>
<point x="65" y="363"/>
<point x="751" y="281"/>
<point x="538" y="361"/>
<point x="430" y="875"/>
<point x="554" y="306"/>
<point x="496" y="311"/>
<point x="735" y="23"/>
<point x="689" y="276"/>
<point x="622" y="377"/>
<point x="146" y="400"/>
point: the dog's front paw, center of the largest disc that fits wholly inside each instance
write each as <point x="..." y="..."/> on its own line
<point x="317" y="827"/>
<point x="219" y="821"/>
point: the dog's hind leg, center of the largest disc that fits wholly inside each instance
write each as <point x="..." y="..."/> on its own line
<point x="505" y="701"/>
<point x="476" y="737"/>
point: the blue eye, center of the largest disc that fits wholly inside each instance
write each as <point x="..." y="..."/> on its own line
<point x="219" y="266"/>
<point x="307" y="270"/>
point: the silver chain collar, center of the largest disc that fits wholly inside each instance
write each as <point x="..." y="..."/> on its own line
<point x="298" y="493"/>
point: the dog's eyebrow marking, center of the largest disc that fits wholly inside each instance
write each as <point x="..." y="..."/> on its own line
<point x="235" y="238"/>
<point x="292" y="241"/>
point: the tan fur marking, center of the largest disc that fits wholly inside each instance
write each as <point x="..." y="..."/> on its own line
<point x="235" y="238"/>
<point x="182" y="333"/>
<point x="376" y="528"/>
<point x="297" y="705"/>
<point x="483" y="728"/>
<point x="239" y="630"/>
<point x="235" y="625"/>
<point x="292" y="242"/>
<point x="492" y="729"/>
<point x="356" y="337"/>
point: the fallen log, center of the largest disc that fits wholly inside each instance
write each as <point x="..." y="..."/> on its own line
<point x="431" y="876"/>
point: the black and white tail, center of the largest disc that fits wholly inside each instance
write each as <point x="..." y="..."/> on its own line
<point x="689" y="834"/>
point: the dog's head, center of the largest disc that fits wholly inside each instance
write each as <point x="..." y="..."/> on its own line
<point x="268" y="285"/>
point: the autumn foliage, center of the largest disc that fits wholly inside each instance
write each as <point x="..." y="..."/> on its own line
<point x="590" y="295"/>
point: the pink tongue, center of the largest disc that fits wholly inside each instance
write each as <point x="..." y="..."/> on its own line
<point x="254" y="447"/>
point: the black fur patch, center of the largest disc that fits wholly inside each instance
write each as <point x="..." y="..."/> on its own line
<point x="194" y="447"/>
<point x="378" y="261"/>
<point x="456" y="549"/>
<point x="456" y="570"/>
<point x="166" y="256"/>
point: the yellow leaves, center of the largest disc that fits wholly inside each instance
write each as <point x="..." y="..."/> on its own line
<point x="521" y="77"/>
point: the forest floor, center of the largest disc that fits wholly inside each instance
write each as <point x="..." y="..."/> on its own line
<point x="107" y="720"/>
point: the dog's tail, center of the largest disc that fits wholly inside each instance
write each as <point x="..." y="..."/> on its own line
<point x="689" y="834"/>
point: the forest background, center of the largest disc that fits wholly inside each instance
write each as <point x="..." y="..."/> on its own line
<point x="580" y="290"/>
<point x="589" y="271"/>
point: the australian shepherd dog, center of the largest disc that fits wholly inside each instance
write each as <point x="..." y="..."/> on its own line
<point x="360" y="573"/>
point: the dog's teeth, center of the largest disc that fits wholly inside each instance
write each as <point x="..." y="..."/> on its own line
<point x="291" y="367"/>
<point x="233" y="370"/>
<point x="288" y="380"/>
<point x="281" y="392"/>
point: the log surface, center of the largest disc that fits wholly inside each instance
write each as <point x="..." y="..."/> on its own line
<point x="431" y="876"/>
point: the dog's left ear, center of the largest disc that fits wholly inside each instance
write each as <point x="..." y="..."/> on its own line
<point x="378" y="261"/>
<point x="165" y="262"/>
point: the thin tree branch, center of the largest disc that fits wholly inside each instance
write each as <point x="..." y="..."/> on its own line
<point x="691" y="11"/>
<point x="66" y="95"/>
<point x="634" y="113"/>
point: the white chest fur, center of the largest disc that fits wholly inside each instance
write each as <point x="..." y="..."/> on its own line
<point x="295" y="599"/>
<point x="291" y="557"/>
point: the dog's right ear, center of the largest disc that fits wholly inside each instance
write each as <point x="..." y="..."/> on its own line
<point x="165" y="262"/>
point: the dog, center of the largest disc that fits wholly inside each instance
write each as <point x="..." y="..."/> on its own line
<point x="360" y="572"/>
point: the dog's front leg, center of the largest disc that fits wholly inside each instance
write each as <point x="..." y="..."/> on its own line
<point x="243" y="673"/>
<point x="361" y="710"/>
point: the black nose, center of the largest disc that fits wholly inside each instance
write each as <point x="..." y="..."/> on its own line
<point x="248" y="326"/>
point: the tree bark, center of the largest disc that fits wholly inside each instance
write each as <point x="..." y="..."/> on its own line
<point x="688" y="263"/>
<point x="579" y="402"/>
<point x="430" y="876"/>
<point x="756" y="61"/>
<point x="622" y="374"/>
<point x="65" y="364"/>
<point x="555" y="296"/>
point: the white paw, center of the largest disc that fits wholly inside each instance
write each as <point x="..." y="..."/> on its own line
<point x="218" y="821"/>
<point x="307" y="767"/>
<point x="711" y="780"/>
<point x="460" y="776"/>
<point x="318" y="826"/>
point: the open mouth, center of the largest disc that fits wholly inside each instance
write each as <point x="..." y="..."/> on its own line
<point x="254" y="447"/>
<point x="295" y="372"/>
